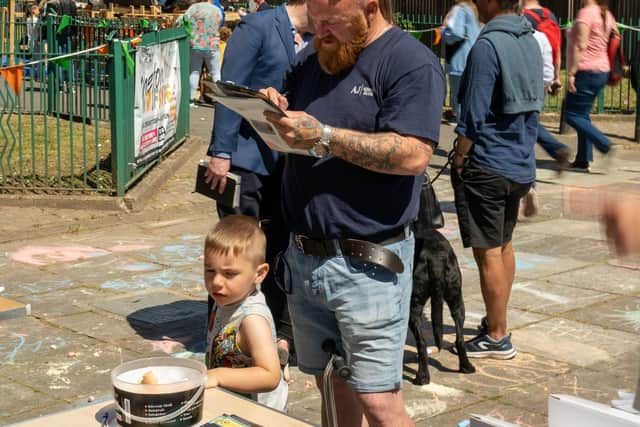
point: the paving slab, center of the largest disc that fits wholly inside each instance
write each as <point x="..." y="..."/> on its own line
<point x="576" y="343"/>
<point x="86" y="374"/>
<point x="188" y="279"/>
<point x="585" y="383"/>
<point x="586" y="250"/>
<point x="77" y="300"/>
<point x="545" y="297"/>
<point x="622" y="314"/>
<point x="25" y="340"/>
<point x="99" y="325"/>
<point x="566" y="227"/>
<point x="601" y="277"/>
<point x="19" y="399"/>
<point x="516" y="318"/>
<point x="494" y="408"/>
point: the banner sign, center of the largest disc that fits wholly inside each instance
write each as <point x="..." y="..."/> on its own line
<point x="157" y="100"/>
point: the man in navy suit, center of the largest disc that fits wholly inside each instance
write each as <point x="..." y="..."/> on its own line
<point x="261" y="49"/>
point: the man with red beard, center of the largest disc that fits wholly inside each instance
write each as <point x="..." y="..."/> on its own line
<point x="366" y="101"/>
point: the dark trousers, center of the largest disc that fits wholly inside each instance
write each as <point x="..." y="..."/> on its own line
<point x="260" y="198"/>
<point x="549" y="142"/>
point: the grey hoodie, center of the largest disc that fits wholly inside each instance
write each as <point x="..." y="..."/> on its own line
<point x="520" y="63"/>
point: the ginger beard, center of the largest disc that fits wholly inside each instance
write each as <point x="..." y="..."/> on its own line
<point x="342" y="56"/>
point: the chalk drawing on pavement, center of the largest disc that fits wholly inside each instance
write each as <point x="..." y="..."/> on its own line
<point x="19" y="343"/>
<point x="160" y="279"/>
<point x="192" y="237"/>
<point x="140" y="266"/>
<point x="530" y="289"/>
<point x="186" y="253"/>
<point x="628" y="318"/>
<point x="59" y="371"/>
<point x="46" y="255"/>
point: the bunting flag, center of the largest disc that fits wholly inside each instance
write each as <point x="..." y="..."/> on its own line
<point x="135" y="42"/>
<point x="415" y="34"/>
<point x="104" y="49"/>
<point x="127" y="56"/>
<point x="102" y="24"/>
<point x="65" y="21"/>
<point x="186" y="24"/>
<point x="144" y="23"/>
<point x="62" y="63"/>
<point x="438" y="37"/>
<point x="13" y="77"/>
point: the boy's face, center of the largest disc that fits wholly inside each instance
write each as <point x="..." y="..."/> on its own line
<point x="230" y="279"/>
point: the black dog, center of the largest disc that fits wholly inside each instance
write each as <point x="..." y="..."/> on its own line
<point x="436" y="275"/>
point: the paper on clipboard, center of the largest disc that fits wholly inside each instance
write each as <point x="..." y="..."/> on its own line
<point x="251" y="105"/>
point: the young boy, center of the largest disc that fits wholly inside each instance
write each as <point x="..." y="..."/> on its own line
<point x="241" y="339"/>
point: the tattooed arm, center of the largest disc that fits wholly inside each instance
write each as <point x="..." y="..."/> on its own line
<point x="385" y="152"/>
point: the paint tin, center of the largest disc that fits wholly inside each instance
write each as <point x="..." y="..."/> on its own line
<point x="175" y="400"/>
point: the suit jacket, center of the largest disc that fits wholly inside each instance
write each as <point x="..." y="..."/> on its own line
<point x="258" y="54"/>
<point x="264" y="6"/>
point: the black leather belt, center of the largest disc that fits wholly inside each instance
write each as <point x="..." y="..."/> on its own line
<point x="370" y="250"/>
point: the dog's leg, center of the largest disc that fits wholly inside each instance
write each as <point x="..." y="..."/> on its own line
<point x="415" y="326"/>
<point x="453" y="297"/>
<point x="436" y="319"/>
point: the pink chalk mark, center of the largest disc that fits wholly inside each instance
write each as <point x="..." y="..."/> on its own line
<point x="45" y="255"/>
<point x="166" y="346"/>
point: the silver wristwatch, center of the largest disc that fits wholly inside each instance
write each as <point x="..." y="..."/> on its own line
<point x="322" y="148"/>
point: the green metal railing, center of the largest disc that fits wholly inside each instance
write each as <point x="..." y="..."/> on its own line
<point x="620" y="99"/>
<point x="58" y="134"/>
<point x="122" y="84"/>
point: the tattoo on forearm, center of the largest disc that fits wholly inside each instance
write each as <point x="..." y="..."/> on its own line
<point x="383" y="152"/>
<point x="306" y="129"/>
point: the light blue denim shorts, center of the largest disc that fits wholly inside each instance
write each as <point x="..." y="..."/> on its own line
<point x="364" y="308"/>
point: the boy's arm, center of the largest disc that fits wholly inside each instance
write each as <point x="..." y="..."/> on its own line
<point x="255" y="340"/>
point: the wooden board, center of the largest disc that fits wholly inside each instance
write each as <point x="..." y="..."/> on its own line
<point x="10" y="309"/>
<point x="216" y="402"/>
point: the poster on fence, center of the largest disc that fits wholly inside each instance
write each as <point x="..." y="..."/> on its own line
<point x="157" y="100"/>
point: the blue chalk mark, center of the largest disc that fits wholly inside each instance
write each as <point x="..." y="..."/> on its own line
<point x="531" y="261"/>
<point x="9" y="351"/>
<point x="141" y="266"/>
<point x="158" y="279"/>
<point x="174" y="248"/>
<point x="464" y="423"/>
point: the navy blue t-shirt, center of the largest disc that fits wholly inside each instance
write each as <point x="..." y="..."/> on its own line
<point x="502" y="143"/>
<point x="398" y="86"/>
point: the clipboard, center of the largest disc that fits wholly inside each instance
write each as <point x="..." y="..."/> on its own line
<point x="251" y="105"/>
<point x="231" y="195"/>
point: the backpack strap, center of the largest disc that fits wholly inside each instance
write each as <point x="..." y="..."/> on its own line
<point x="536" y="17"/>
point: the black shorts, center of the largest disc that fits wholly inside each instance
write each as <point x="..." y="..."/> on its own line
<point x="487" y="206"/>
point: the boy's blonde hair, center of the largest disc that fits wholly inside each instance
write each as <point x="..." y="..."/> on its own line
<point x="237" y="235"/>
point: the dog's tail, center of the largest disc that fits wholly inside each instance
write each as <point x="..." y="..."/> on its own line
<point x="436" y="320"/>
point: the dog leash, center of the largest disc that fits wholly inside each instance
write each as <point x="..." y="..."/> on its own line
<point x="449" y="161"/>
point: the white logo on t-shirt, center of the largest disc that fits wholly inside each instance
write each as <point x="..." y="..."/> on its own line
<point x="361" y="90"/>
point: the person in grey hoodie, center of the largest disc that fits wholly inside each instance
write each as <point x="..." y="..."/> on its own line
<point x="501" y="95"/>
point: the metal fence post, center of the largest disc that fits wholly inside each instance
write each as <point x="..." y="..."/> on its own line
<point x="637" y="133"/>
<point x="119" y="115"/>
